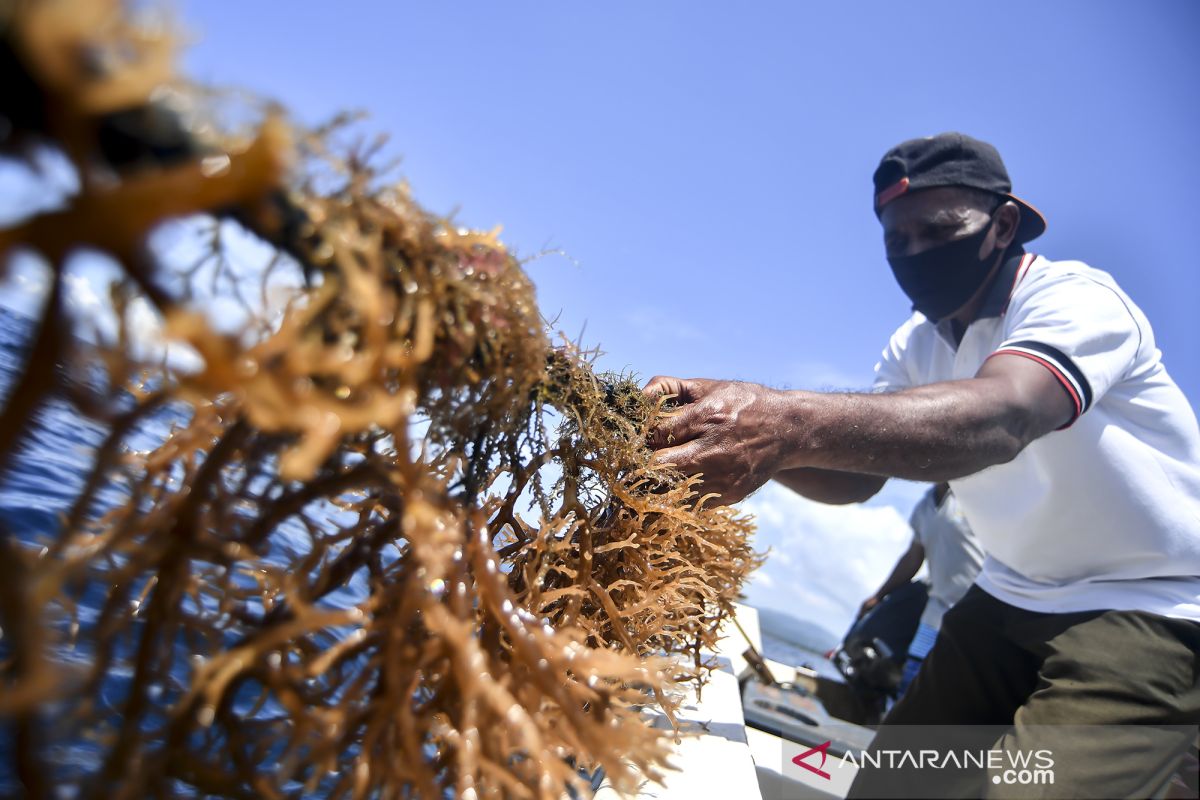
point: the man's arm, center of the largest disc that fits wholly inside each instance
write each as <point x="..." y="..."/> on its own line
<point x="931" y="433"/>
<point x="740" y="435"/>
<point x="906" y="567"/>
<point x="831" y="486"/>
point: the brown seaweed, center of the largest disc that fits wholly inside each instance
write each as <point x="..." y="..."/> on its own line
<point x="494" y="580"/>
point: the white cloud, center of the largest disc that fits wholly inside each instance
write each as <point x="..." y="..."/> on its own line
<point x="24" y="280"/>
<point x="41" y="181"/>
<point x="822" y="376"/>
<point x="825" y="560"/>
<point x="87" y="292"/>
<point x="145" y="326"/>
<point x="81" y="295"/>
<point x="654" y="325"/>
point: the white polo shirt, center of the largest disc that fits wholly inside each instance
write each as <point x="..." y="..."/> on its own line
<point x="952" y="553"/>
<point x="1104" y="513"/>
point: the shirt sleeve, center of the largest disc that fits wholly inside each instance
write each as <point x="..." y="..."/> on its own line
<point x="1079" y="327"/>
<point x="916" y="521"/>
<point x="891" y="373"/>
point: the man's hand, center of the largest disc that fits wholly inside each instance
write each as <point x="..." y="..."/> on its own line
<point x="724" y="430"/>
<point x="867" y="605"/>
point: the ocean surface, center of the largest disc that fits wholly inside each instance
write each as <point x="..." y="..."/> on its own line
<point x="797" y="642"/>
<point x="49" y="473"/>
<point x="47" y="476"/>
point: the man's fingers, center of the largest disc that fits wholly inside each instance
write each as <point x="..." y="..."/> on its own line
<point x="686" y="459"/>
<point x="666" y="428"/>
<point x="677" y="424"/>
<point x="663" y="384"/>
<point x="673" y="428"/>
<point x="682" y="457"/>
<point x="686" y="390"/>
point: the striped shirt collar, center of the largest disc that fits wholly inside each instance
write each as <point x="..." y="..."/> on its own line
<point x="996" y="302"/>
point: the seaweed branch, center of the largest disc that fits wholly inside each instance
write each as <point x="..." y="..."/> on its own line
<point x="396" y="542"/>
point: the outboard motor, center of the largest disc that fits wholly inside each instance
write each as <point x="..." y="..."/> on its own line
<point x="873" y="652"/>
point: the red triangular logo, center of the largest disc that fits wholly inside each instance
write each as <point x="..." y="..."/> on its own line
<point x="823" y="749"/>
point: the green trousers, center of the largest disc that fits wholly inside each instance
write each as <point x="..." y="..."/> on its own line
<point x="1111" y="698"/>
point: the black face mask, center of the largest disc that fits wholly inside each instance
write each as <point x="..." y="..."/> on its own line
<point x="939" y="281"/>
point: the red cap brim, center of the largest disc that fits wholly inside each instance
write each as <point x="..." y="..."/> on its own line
<point x="1032" y="224"/>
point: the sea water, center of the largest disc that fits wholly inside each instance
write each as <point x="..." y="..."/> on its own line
<point x="40" y="487"/>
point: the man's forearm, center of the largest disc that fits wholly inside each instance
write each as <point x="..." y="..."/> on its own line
<point x="831" y="486"/>
<point x="928" y="433"/>
<point x="905" y="570"/>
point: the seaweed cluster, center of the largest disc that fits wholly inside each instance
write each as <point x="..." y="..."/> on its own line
<point x="486" y="580"/>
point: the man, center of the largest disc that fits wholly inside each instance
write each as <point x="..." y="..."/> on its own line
<point x="1035" y="388"/>
<point x="941" y="537"/>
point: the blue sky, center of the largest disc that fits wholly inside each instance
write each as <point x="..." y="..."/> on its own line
<point x="707" y="167"/>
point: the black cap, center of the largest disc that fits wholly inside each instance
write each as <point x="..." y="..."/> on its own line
<point x="951" y="159"/>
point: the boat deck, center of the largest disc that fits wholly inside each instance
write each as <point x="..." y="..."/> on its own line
<point x="719" y="756"/>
